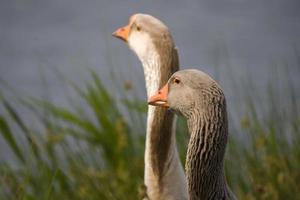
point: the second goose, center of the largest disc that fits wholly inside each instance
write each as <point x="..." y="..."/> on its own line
<point x="197" y="97"/>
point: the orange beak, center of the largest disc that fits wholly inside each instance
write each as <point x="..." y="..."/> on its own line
<point x="160" y="98"/>
<point x="122" y="33"/>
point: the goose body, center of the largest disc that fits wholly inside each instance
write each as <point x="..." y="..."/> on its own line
<point x="152" y="42"/>
<point x="197" y="97"/>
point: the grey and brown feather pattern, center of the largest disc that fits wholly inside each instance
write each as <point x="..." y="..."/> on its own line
<point x="161" y="130"/>
<point x="151" y="40"/>
<point x="205" y="110"/>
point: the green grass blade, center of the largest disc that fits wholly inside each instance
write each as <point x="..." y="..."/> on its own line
<point x="14" y="115"/>
<point x="9" y="138"/>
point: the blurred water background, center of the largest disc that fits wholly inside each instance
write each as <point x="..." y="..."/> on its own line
<point x="251" y="47"/>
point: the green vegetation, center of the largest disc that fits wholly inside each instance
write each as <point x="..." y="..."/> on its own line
<point x="94" y="151"/>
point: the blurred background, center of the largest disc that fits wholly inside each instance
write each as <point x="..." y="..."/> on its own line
<point x="73" y="100"/>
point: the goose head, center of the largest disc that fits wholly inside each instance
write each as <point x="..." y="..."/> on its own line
<point x="144" y="34"/>
<point x="188" y="91"/>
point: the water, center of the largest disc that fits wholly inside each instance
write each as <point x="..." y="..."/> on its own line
<point x="42" y="40"/>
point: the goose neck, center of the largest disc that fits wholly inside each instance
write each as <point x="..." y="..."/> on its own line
<point x="164" y="175"/>
<point x="206" y="149"/>
<point x="152" y="72"/>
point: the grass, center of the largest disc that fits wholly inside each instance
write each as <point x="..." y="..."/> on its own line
<point x="94" y="151"/>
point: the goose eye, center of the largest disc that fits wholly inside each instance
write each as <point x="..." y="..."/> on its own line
<point x="138" y="28"/>
<point x="176" y="81"/>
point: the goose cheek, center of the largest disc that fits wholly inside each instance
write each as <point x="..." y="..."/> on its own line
<point x="176" y="108"/>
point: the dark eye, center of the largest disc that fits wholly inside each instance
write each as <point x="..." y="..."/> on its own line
<point x="138" y="28"/>
<point x="176" y="81"/>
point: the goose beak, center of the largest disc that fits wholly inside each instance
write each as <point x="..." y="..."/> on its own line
<point x="160" y="98"/>
<point x="122" y="33"/>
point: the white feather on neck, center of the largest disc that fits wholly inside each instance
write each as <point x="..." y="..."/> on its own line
<point x="143" y="46"/>
<point x="175" y="183"/>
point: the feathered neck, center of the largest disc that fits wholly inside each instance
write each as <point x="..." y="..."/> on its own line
<point x="164" y="175"/>
<point x="159" y="121"/>
<point x="204" y="163"/>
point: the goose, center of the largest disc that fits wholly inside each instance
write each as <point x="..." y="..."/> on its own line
<point x="152" y="42"/>
<point x="196" y="96"/>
